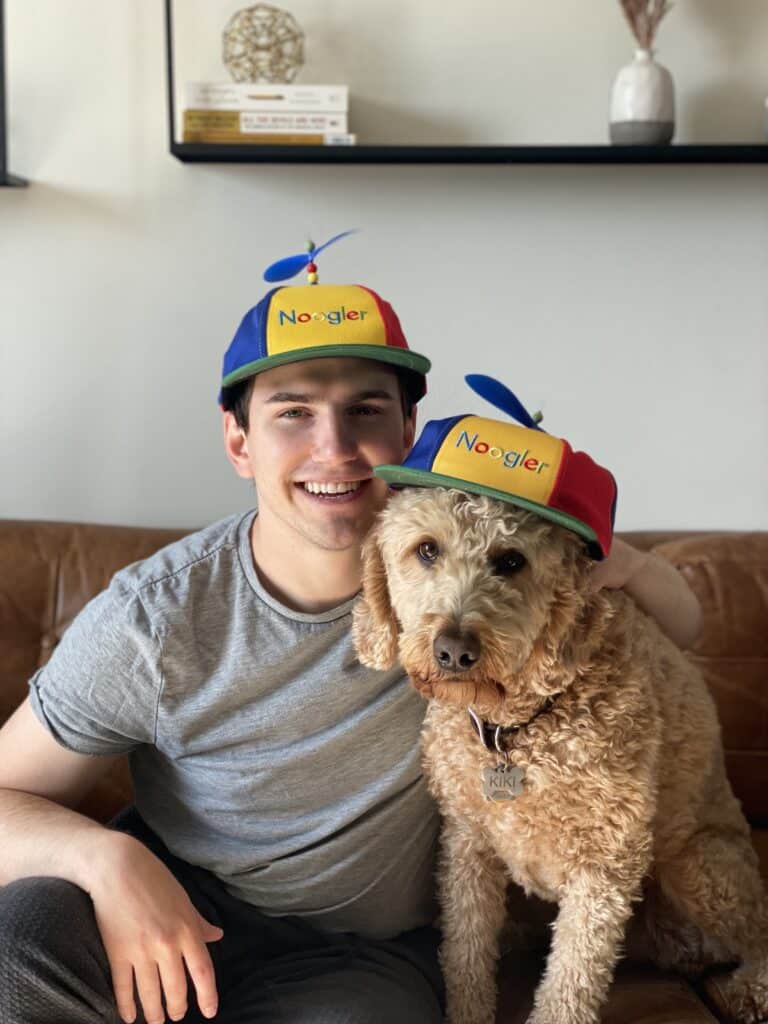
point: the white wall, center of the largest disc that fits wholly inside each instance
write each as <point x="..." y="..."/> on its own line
<point x="631" y="303"/>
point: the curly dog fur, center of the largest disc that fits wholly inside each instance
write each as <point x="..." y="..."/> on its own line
<point x="625" y="794"/>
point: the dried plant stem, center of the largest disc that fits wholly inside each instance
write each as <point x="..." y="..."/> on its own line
<point x="644" y="17"/>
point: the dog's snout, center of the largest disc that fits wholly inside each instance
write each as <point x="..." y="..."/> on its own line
<point x="456" y="652"/>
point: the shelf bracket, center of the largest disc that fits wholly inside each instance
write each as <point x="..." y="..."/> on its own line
<point x="7" y="180"/>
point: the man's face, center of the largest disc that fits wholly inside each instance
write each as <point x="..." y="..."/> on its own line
<point x="316" y="430"/>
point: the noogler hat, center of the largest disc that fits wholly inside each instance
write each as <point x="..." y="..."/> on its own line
<point x="522" y="465"/>
<point x="297" y="322"/>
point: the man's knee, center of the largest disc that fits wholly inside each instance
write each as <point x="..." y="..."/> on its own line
<point x="47" y="931"/>
<point x="371" y="995"/>
<point x="38" y="912"/>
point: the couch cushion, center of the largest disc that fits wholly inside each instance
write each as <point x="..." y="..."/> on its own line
<point x="729" y="574"/>
<point x="48" y="571"/>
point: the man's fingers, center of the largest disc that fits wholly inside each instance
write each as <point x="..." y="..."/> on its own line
<point x="200" y="967"/>
<point x="148" y="987"/>
<point x="596" y="577"/>
<point x="211" y="932"/>
<point x="122" y="983"/>
<point x="174" y="983"/>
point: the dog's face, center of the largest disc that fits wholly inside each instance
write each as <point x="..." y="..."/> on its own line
<point x="475" y="596"/>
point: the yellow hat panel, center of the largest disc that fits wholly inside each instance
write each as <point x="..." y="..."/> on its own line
<point x="503" y="456"/>
<point x="310" y="316"/>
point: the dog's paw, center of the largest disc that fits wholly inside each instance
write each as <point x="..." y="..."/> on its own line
<point x="539" y="1017"/>
<point x="560" y="1013"/>
<point x="742" y="998"/>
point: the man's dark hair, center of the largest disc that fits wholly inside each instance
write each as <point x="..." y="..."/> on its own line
<point x="237" y="398"/>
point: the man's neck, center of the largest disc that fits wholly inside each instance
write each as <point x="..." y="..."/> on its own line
<point x="298" y="574"/>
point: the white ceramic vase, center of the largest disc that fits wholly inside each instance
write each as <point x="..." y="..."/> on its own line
<point x="642" y="103"/>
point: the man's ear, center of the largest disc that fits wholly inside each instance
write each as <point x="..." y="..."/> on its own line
<point x="236" y="446"/>
<point x="409" y="433"/>
<point x="374" y="624"/>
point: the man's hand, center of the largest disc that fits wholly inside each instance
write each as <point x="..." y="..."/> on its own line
<point x="655" y="585"/>
<point x="150" y="931"/>
<point x="619" y="567"/>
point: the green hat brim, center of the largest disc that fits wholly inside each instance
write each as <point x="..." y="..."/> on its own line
<point x="425" y="478"/>
<point x="403" y="357"/>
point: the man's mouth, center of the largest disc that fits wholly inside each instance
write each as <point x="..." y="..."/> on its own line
<point x="333" y="491"/>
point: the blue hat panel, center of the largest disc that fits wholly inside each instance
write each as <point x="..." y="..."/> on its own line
<point x="423" y="453"/>
<point x="250" y="340"/>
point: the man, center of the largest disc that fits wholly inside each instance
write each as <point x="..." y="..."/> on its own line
<point x="279" y="866"/>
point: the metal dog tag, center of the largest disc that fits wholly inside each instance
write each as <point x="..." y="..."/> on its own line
<point x="504" y="782"/>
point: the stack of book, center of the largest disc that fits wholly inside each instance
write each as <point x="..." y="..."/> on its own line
<point x="273" y="115"/>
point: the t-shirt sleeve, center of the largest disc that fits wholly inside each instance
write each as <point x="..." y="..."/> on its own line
<point x="98" y="694"/>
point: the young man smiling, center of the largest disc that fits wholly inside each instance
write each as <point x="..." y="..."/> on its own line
<point x="278" y="863"/>
<point x="312" y="433"/>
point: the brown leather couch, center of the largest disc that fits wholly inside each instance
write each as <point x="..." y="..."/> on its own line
<point x="49" y="570"/>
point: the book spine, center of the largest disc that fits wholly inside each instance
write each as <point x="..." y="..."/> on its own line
<point x="271" y="138"/>
<point x="294" y="121"/>
<point x="252" y="96"/>
<point x="269" y="121"/>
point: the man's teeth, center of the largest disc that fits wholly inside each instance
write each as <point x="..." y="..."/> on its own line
<point x="331" y="488"/>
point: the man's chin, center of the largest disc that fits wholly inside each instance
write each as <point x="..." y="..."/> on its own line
<point x="339" y="536"/>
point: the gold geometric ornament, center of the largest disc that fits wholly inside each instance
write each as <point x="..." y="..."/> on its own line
<point x="263" y="44"/>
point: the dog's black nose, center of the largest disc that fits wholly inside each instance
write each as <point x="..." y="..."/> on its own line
<point x="456" y="652"/>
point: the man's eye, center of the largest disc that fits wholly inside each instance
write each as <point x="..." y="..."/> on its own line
<point x="291" y="414"/>
<point x="428" y="551"/>
<point x="508" y="563"/>
<point x="366" y="410"/>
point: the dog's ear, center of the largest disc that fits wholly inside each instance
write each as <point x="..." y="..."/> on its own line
<point x="374" y="624"/>
<point x="561" y="643"/>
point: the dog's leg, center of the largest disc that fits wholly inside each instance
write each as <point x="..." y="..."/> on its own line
<point x="714" y="882"/>
<point x="588" y="932"/>
<point x="472" y="885"/>
<point x="662" y="934"/>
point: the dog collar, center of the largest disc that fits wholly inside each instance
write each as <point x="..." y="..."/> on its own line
<point x="491" y="735"/>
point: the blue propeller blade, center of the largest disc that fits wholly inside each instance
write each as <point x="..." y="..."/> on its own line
<point x="498" y="394"/>
<point x="332" y="240"/>
<point x="290" y="266"/>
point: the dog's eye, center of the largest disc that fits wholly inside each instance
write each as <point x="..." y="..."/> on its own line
<point x="428" y="551"/>
<point x="508" y="564"/>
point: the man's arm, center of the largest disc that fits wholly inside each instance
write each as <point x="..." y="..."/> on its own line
<point x="144" y="916"/>
<point x="656" y="586"/>
<point x="40" y="783"/>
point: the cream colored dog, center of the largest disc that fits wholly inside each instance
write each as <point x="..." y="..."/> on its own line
<point x="599" y="777"/>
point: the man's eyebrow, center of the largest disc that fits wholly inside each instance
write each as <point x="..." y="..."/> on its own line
<point x="361" y="396"/>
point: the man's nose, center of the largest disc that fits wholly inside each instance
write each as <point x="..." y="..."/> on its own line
<point x="334" y="440"/>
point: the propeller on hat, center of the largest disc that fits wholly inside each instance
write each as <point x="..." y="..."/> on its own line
<point x="290" y="266"/>
<point x="498" y="394"/>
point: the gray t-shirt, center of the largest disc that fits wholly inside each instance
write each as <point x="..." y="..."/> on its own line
<point x="260" y="748"/>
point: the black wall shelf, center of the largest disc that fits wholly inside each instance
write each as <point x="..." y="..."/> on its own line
<point x="747" y="153"/>
<point x="682" y="154"/>
<point x="7" y="180"/>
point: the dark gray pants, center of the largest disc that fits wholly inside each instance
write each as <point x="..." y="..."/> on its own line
<point x="54" y="970"/>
